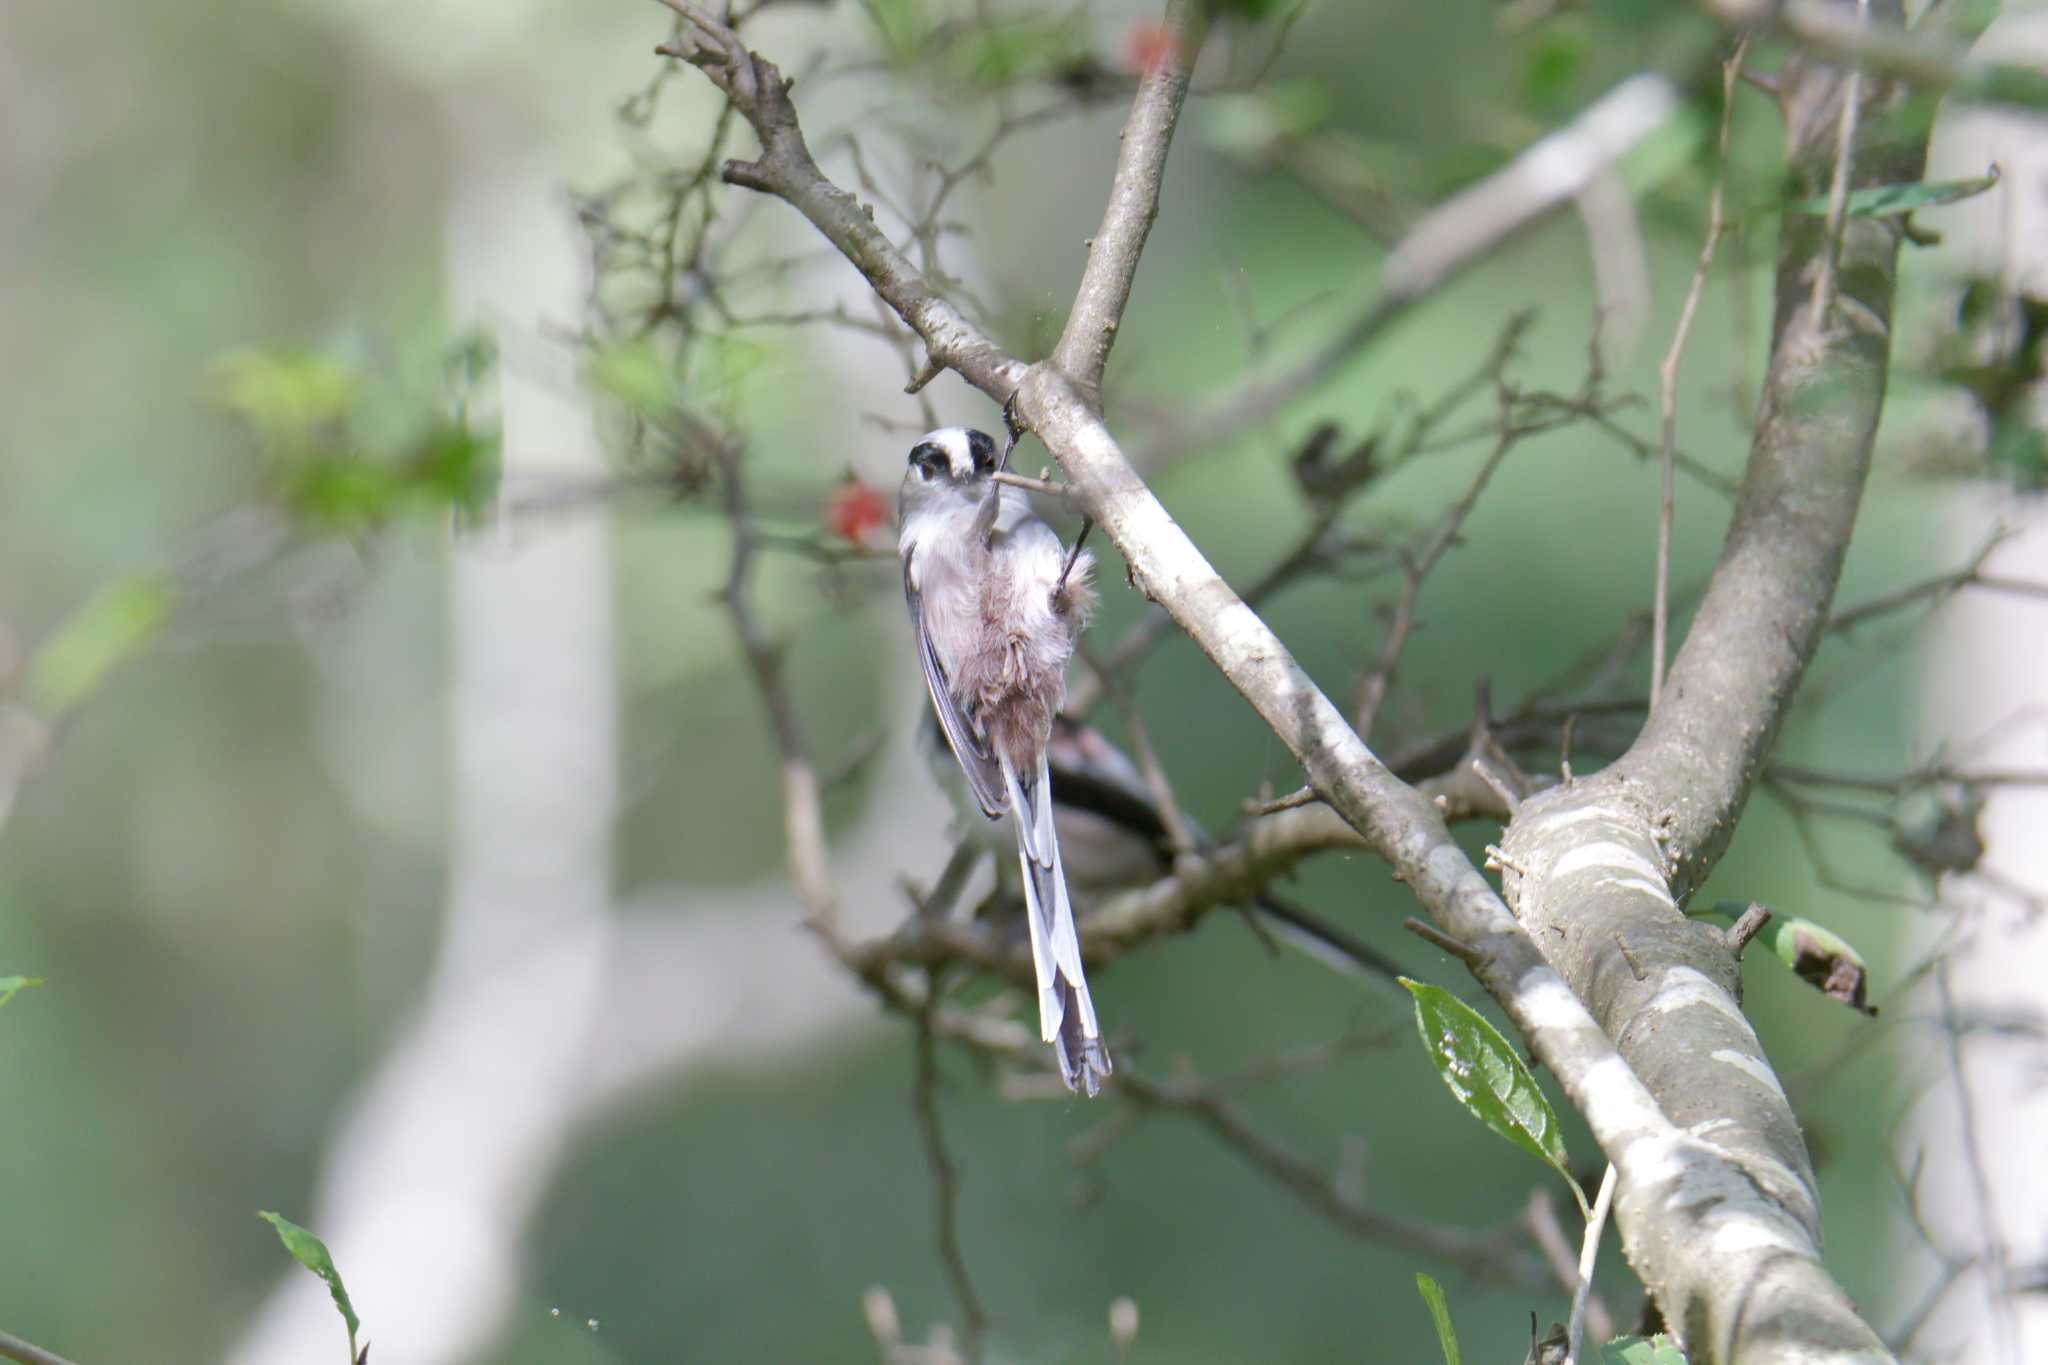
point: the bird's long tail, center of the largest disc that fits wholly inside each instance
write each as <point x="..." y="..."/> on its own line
<point x="1066" y="1016"/>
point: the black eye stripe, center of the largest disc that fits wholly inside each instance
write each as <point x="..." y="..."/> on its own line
<point x="983" y="449"/>
<point x="929" y="458"/>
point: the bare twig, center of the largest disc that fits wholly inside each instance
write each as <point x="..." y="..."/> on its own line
<point x="1667" y="375"/>
<point x="1031" y="485"/>
<point x="1939" y="588"/>
<point x="1300" y="796"/>
<point x="27" y="1353"/>
<point x="1481" y="1253"/>
<point x="1373" y="685"/>
<point x="1429" y="933"/>
<point x="1993" y="1258"/>
<point x="1113" y="256"/>
<point x="1539" y="1216"/>
<point x="1589" y="1251"/>
<point x="803" y="815"/>
<point x="1838" y="183"/>
<point x="1149" y="767"/>
<point x="1747" y="927"/>
<point x="945" y="1192"/>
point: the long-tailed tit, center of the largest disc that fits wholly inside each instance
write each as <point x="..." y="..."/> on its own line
<point x="996" y="603"/>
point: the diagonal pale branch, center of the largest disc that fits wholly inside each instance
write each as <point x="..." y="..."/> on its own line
<point x="1732" y="1253"/>
<point x="28" y="1353"/>
<point x="1440" y="246"/>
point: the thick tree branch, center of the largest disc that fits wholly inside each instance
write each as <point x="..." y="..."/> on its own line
<point x="1686" y="1210"/>
<point x="1113" y="255"/>
<point x="1600" y="867"/>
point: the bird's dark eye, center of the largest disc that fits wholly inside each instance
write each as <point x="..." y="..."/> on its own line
<point x="928" y="460"/>
<point x="983" y="448"/>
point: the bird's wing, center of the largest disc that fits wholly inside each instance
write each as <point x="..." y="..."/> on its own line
<point x="984" y="777"/>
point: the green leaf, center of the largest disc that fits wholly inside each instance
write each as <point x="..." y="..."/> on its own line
<point x="1883" y="201"/>
<point x="344" y="493"/>
<point x="10" y="986"/>
<point x="1006" y="51"/>
<point x="903" y="25"/>
<point x="115" y="624"/>
<point x="285" y="395"/>
<point x="1556" y="59"/>
<point x="734" y="360"/>
<point x="637" y="374"/>
<point x="310" y="1252"/>
<point x="1486" y="1075"/>
<point x="1433" y="1295"/>
<point x="1657" y="1350"/>
<point x="456" y="467"/>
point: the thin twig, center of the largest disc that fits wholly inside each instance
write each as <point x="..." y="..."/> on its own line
<point x="1171" y="815"/>
<point x="1300" y="796"/>
<point x="945" y="1191"/>
<point x="1667" y="374"/>
<point x="1429" y="933"/>
<point x="27" y="1353"/>
<point x="1373" y="685"/>
<point x="1118" y="244"/>
<point x="1941" y="588"/>
<point x="1997" y="1271"/>
<point x="1539" y="1216"/>
<point x="1481" y="1253"/>
<point x="1747" y="927"/>
<point x="1838" y="182"/>
<point x="1031" y="485"/>
<point x="1596" y="1223"/>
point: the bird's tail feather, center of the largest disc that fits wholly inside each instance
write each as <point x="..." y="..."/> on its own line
<point x="1066" y="1014"/>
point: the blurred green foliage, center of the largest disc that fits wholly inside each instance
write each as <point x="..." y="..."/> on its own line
<point x="305" y="411"/>
<point x="115" y="624"/>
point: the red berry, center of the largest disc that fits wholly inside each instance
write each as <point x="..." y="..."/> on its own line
<point x="855" y="511"/>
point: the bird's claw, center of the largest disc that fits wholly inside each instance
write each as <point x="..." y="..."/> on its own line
<point x="1013" y="425"/>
